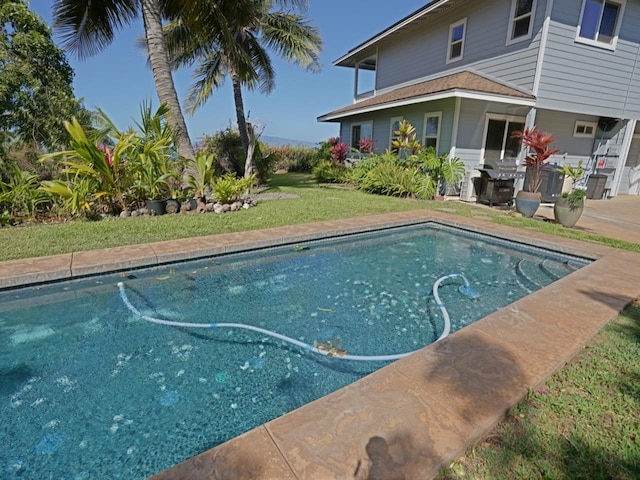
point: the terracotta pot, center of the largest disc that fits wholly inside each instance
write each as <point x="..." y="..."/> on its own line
<point x="564" y="214"/>
<point x="527" y="203"/>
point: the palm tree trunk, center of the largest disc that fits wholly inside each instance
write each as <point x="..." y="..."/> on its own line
<point x="237" y="98"/>
<point x="165" y="86"/>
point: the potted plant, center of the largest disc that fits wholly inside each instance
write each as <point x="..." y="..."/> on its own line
<point x="569" y="206"/>
<point x="537" y="143"/>
<point x="199" y="174"/>
<point x="153" y="185"/>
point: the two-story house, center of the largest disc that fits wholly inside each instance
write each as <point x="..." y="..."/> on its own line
<point x="468" y="73"/>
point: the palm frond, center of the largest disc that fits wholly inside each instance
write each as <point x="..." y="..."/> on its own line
<point x="293" y="38"/>
<point x="209" y="75"/>
<point x="87" y="28"/>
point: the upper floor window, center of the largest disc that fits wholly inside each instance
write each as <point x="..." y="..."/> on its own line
<point x="456" y="40"/>
<point x="432" y="130"/>
<point x="521" y="20"/>
<point x="600" y="22"/>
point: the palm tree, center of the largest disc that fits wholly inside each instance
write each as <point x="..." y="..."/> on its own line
<point x="244" y="54"/>
<point x="89" y="26"/>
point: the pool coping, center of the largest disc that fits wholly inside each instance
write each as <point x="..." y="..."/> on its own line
<point x="416" y="415"/>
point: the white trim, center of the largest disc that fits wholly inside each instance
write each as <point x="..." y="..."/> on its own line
<point x="595" y="42"/>
<point x="498" y="116"/>
<point x="513" y="19"/>
<point x="454" y="130"/>
<point x="450" y="41"/>
<point x="385" y="33"/>
<point x="392" y="120"/>
<point x="428" y="115"/>
<point x="455" y="93"/>
<point x="542" y="48"/>
<point x="582" y="123"/>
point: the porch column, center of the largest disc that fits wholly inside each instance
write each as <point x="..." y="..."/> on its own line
<point x="529" y="122"/>
<point x="622" y="158"/>
<point x="355" y="84"/>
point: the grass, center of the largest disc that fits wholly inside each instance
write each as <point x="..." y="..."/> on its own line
<point x="583" y="424"/>
<point x="316" y="203"/>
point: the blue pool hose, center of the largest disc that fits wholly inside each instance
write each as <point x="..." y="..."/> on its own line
<point x="326" y="352"/>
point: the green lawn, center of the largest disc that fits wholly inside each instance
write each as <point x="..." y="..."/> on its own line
<point x="315" y="203"/>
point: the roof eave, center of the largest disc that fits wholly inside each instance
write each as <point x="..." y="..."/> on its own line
<point x="461" y="93"/>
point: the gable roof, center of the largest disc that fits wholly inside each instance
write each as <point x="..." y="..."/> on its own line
<point x="464" y="84"/>
<point x="431" y="10"/>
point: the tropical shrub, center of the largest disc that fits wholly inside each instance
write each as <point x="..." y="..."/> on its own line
<point x="389" y="178"/>
<point x="20" y="195"/>
<point x="226" y="147"/>
<point x="292" y="158"/>
<point x="228" y="188"/>
<point x="328" y="171"/>
<point x="444" y="170"/>
<point x="199" y="173"/>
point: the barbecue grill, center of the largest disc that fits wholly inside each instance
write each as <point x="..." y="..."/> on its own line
<point x="497" y="179"/>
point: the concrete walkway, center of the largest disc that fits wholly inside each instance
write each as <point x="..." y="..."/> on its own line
<point x="617" y="218"/>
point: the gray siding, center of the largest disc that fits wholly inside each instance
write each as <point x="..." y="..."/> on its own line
<point x="422" y="51"/>
<point x="471" y="128"/>
<point x="412" y="113"/>
<point x="586" y="79"/>
<point x="562" y="125"/>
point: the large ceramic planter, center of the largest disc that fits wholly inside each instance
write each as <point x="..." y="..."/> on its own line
<point x="564" y="214"/>
<point x="527" y="203"/>
<point x="156" y="207"/>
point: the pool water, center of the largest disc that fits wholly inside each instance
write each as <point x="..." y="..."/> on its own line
<point x="87" y="390"/>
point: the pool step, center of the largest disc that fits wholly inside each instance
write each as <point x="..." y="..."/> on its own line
<point x="534" y="276"/>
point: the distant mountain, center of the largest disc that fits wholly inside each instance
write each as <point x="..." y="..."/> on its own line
<point x="279" y="141"/>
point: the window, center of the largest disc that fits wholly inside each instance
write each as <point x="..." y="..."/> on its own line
<point x="456" y="40"/>
<point x="360" y="131"/>
<point x="431" y="133"/>
<point x="394" y="125"/>
<point x="600" y="22"/>
<point x="585" y="129"/>
<point x="521" y="20"/>
<point x="499" y="142"/>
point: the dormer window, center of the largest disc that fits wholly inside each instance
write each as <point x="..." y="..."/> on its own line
<point x="456" y="40"/>
<point x="521" y="24"/>
<point x="600" y="22"/>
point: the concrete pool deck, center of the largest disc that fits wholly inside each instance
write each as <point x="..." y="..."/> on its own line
<point x="411" y="418"/>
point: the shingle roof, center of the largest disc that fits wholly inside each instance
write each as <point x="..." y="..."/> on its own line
<point x="463" y="81"/>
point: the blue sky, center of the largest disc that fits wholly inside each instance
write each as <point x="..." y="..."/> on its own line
<point x="118" y="79"/>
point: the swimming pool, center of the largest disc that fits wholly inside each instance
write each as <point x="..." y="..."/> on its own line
<point x="91" y="391"/>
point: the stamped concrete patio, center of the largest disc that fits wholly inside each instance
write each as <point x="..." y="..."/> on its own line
<point x="414" y="416"/>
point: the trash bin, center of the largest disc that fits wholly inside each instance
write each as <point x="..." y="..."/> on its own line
<point x="595" y="186"/>
<point x="550" y="183"/>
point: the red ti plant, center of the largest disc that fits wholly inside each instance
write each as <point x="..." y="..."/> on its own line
<point x="365" y="145"/>
<point x="537" y="143"/>
<point x="339" y="152"/>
